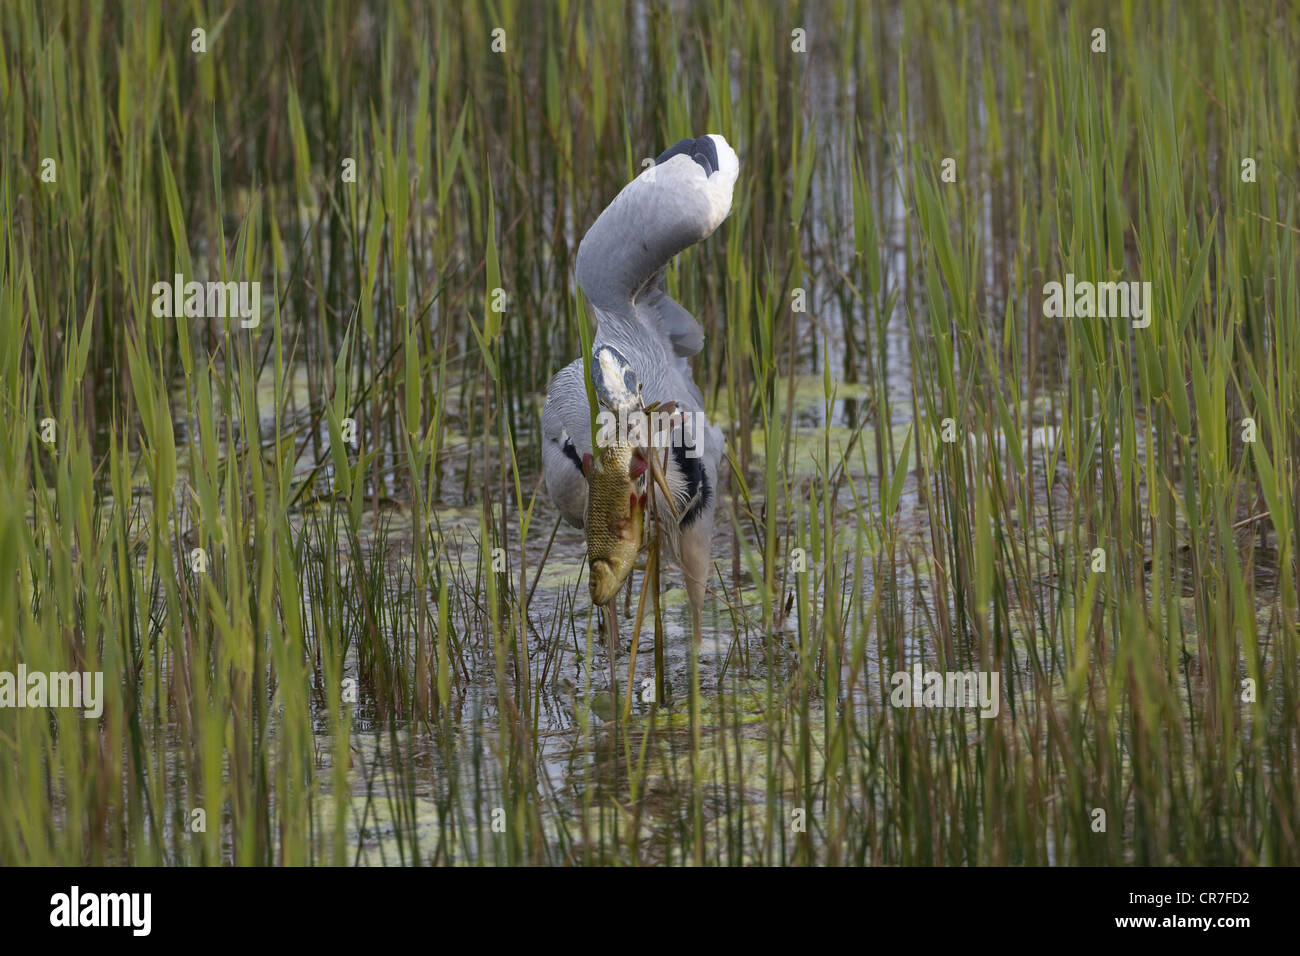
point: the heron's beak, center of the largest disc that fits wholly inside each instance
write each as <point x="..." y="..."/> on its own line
<point x="657" y="473"/>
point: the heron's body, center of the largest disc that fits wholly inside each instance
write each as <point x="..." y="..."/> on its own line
<point x="676" y="203"/>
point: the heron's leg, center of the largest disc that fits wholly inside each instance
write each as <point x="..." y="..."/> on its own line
<point x="661" y="696"/>
<point x="696" y="546"/>
<point x="611" y="609"/>
<point x="652" y="565"/>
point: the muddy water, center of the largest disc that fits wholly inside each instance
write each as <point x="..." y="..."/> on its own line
<point x="579" y="761"/>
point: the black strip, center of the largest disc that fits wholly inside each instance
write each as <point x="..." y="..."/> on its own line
<point x="698" y="492"/>
<point x="572" y="453"/>
<point x="702" y="150"/>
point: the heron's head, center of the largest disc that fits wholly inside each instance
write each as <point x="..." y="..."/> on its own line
<point x="617" y="386"/>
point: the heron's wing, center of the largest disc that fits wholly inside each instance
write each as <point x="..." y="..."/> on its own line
<point x="566" y="437"/>
<point x="674" y="204"/>
<point x="565" y="412"/>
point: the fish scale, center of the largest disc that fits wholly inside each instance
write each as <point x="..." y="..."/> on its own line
<point x="615" y="520"/>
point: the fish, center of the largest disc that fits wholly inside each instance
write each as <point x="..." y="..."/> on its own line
<point x="615" y="521"/>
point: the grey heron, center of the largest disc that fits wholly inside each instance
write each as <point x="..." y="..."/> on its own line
<point x="642" y="348"/>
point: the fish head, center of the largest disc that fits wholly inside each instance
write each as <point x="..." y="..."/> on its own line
<point x="605" y="581"/>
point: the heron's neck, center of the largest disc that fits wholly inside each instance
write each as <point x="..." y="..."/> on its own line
<point x="643" y="347"/>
